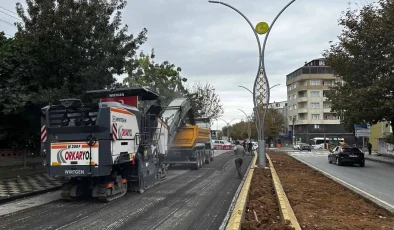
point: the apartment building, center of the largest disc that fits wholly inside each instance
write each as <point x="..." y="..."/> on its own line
<point x="309" y="112"/>
<point x="281" y="106"/>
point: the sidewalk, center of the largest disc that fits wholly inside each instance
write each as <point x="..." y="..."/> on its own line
<point x="19" y="187"/>
<point x="379" y="158"/>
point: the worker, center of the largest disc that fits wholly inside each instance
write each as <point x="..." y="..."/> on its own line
<point x="250" y="147"/>
<point x="369" y="146"/>
<point x="239" y="153"/>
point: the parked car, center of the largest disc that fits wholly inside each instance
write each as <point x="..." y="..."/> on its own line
<point x="304" y="146"/>
<point x="341" y="155"/>
<point x="255" y="145"/>
<point x="297" y="146"/>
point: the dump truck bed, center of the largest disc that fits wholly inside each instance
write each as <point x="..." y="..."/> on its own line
<point x="189" y="136"/>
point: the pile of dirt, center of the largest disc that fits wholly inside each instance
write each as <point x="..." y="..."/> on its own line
<point x="321" y="203"/>
<point x="263" y="202"/>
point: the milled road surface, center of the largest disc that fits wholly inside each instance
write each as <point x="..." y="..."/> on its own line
<point x="375" y="178"/>
<point x="197" y="199"/>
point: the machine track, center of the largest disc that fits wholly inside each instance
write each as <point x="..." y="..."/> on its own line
<point x="107" y="194"/>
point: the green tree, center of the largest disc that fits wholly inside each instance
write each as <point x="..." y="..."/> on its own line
<point x="163" y="78"/>
<point x="273" y="124"/>
<point x="363" y="60"/>
<point x="74" y="46"/>
<point x="205" y="101"/>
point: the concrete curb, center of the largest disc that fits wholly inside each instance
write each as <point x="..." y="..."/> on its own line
<point x="29" y="194"/>
<point x="286" y="212"/>
<point x="236" y="212"/>
<point x="365" y="195"/>
<point x="380" y="161"/>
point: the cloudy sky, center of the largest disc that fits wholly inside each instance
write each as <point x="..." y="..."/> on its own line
<point x="212" y="43"/>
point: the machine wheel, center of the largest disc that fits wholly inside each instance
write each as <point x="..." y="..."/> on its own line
<point x="202" y="154"/>
<point x="197" y="165"/>
<point x="208" y="159"/>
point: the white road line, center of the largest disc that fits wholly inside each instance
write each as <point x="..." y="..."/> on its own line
<point x="371" y="197"/>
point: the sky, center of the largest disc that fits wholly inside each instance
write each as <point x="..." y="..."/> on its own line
<point x="214" y="44"/>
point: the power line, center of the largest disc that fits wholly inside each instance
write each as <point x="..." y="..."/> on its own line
<point x="6" y="22"/>
<point x="8" y="10"/>
<point x="9" y="15"/>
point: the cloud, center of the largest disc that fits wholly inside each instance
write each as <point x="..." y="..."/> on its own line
<point x="212" y="43"/>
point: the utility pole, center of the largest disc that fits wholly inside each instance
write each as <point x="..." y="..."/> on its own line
<point x="247" y="120"/>
<point x="294" y="137"/>
<point x="228" y="127"/>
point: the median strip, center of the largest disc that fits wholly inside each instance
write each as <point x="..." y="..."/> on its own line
<point x="321" y="203"/>
<point x="237" y="213"/>
<point x="286" y="211"/>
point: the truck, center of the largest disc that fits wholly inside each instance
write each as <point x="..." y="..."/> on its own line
<point x="105" y="148"/>
<point x="192" y="145"/>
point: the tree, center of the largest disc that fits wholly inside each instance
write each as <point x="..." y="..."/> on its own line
<point x="13" y="85"/>
<point x="163" y="78"/>
<point x="74" y="46"/>
<point x="205" y="101"/>
<point x="273" y="124"/>
<point x="363" y="60"/>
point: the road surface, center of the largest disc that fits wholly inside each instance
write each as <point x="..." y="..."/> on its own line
<point x="375" y="178"/>
<point x="189" y="199"/>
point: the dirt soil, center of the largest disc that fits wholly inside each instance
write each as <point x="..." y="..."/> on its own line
<point x="263" y="201"/>
<point x="321" y="203"/>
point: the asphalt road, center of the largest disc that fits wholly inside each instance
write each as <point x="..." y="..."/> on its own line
<point x="189" y="199"/>
<point x="375" y="178"/>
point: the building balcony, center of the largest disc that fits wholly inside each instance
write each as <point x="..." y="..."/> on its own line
<point x="331" y="122"/>
<point x="327" y="110"/>
<point x="302" y="110"/>
<point x="301" y="122"/>
<point x="302" y="99"/>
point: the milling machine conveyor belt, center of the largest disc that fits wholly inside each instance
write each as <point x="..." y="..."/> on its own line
<point x="174" y="114"/>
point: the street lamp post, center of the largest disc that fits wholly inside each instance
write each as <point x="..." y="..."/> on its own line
<point x="248" y="120"/>
<point x="228" y="127"/>
<point x="264" y="97"/>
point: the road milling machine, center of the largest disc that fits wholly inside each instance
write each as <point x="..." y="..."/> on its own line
<point x="107" y="148"/>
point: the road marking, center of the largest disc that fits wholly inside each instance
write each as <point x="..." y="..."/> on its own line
<point x="374" y="199"/>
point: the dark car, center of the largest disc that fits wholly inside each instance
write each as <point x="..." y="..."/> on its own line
<point x="305" y="147"/>
<point x="341" y="155"/>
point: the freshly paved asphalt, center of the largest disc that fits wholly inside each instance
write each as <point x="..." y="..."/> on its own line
<point x="375" y="178"/>
<point x="188" y="199"/>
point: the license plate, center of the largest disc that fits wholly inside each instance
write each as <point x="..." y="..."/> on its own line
<point x="353" y="156"/>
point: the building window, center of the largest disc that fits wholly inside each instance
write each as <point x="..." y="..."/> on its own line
<point x="289" y="98"/>
<point x="290" y="108"/>
<point x="315" y="105"/>
<point x="294" y="97"/>
<point x="294" y="107"/>
<point x="315" y="93"/>
<point x="322" y="63"/>
<point x="326" y="105"/>
<point x="315" y="116"/>
<point x="277" y="105"/>
<point x="317" y="126"/>
<point x="315" y="82"/>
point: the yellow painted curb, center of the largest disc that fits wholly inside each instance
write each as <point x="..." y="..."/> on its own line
<point x="238" y="212"/>
<point x="286" y="211"/>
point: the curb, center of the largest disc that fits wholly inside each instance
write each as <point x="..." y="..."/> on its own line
<point x="286" y="212"/>
<point x="25" y="195"/>
<point x="380" y="161"/>
<point x="365" y="195"/>
<point x="236" y="212"/>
